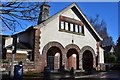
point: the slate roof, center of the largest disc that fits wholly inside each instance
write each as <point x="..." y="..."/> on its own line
<point x="107" y="48"/>
<point x="20" y="46"/>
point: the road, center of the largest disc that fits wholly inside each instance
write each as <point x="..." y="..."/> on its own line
<point x="114" y="75"/>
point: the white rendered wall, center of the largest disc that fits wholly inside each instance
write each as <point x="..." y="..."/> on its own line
<point x="50" y="32"/>
<point x="8" y="41"/>
<point x="101" y="55"/>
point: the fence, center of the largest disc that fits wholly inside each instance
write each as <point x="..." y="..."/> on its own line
<point x="27" y="66"/>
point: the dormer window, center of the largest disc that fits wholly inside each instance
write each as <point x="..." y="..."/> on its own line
<point x="71" y="25"/>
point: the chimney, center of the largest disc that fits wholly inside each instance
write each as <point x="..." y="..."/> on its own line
<point x="44" y="12"/>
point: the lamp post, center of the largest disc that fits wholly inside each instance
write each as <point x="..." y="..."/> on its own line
<point x="13" y="54"/>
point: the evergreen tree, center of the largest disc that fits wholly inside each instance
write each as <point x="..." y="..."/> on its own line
<point x="117" y="50"/>
<point x="111" y="58"/>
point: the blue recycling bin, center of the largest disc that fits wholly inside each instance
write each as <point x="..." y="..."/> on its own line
<point x="46" y="72"/>
<point x="18" y="72"/>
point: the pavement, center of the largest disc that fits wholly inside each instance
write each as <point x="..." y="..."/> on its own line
<point x="111" y="75"/>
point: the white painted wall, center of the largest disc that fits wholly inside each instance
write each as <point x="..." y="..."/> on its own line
<point x="50" y="32"/>
<point x="25" y="37"/>
<point x="18" y="51"/>
<point x="8" y="41"/>
<point x="101" y="55"/>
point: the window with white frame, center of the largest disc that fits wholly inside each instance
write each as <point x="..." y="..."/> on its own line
<point x="62" y="24"/>
<point x="76" y="28"/>
<point x="71" y="25"/>
<point x="80" y="29"/>
<point x="66" y="25"/>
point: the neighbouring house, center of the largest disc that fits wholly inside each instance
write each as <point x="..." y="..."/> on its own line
<point x="64" y="39"/>
<point x="108" y="50"/>
<point x="24" y="45"/>
<point x="24" y="48"/>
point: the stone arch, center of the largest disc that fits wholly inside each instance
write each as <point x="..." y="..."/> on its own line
<point x="70" y="50"/>
<point x="50" y="45"/>
<point x="90" y="50"/>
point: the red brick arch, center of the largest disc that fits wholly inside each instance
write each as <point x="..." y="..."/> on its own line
<point x="48" y="46"/>
<point x="76" y="49"/>
<point x="90" y="49"/>
<point x="74" y="46"/>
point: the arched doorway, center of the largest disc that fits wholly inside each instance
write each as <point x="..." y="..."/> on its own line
<point x="73" y="59"/>
<point x="87" y="60"/>
<point x="54" y="58"/>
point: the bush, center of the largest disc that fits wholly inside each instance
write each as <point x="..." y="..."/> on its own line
<point x="116" y="67"/>
<point x="118" y="59"/>
<point x="72" y="71"/>
<point x="5" y="61"/>
<point x="90" y="70"/>
<point x="111" y="58"/>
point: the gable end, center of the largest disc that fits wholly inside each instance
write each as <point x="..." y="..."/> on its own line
<point x="80" y="16"/>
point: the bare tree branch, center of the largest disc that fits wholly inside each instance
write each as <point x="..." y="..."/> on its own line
<point x="101" y="29"/>
<point x="12" y="12"/>
<point x="5" y="23"/>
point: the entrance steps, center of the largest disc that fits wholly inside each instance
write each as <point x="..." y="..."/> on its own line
<point x="79" y="70"/>
<point x="54" y="71"/>
<point x="64" y="74"/>
<point x="66" y="71"/>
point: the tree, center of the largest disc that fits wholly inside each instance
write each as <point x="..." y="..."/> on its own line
<point x="117" y="50"/>
<point x="100" y="27"/>
<point x="13" y="14"/>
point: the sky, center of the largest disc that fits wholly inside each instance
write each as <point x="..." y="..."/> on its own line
<point x="108" y="11"/>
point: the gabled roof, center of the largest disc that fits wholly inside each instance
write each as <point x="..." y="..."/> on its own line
<point x="4" y="35"/>
<point x="20" y="46"/>
<point x="108" y="48"/>
<point x="26" y="30"/>
<point x="80" y="15"/>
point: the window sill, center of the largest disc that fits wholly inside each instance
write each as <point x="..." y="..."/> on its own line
<point x="62" y="30"/>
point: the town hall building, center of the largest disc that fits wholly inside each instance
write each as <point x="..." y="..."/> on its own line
<point x="64" y="39"/>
